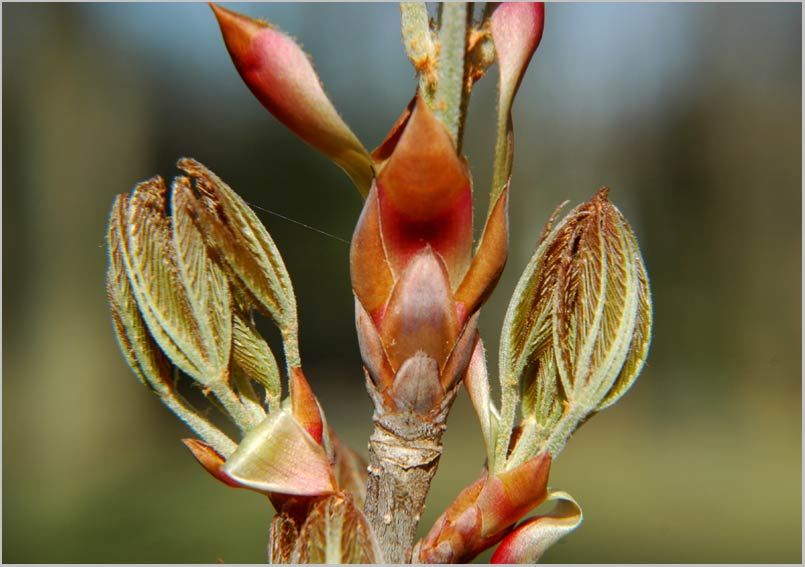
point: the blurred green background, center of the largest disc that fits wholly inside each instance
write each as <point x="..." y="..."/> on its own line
<point x="691" y="113"/>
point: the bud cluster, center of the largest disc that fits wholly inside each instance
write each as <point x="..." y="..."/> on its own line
<point x="189" y="268"/>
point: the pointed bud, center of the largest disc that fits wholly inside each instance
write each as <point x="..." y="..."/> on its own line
<point x="210" y="459"/>
<point x="516" y="32"/>
<point x="305" y="406"/>
<point x="485" y="512"/>
<point x="489" y="260"/>
<point x="369" y="266"/>
<point x="281" y="76"/>
<point x="421" y="313"/>
<point x="425" y="196"/>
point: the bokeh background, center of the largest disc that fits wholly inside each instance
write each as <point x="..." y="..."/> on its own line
<point x="691" y="113"/>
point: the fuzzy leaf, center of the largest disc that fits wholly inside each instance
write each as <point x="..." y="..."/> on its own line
<point x="206" y="286"/>
<point x="284" y="532"/>
<point x="253" y="355"/>
<point x="597" y="305"/>
<point x="638" y="350"/>
<point x="336" y="532"/>
<point x="142" y="354"/>
<point x="242" y="243"/>
<point x="577" y="331"/>
<point x="156" y="281"/>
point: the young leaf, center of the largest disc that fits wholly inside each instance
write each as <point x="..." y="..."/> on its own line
<point x="136" y="344"/>
<point x="150" y="261"/>
<point x="206" y="286"/>
<point x="252" y="355"/>
<point x="578" y="327"/>
<point x="243" y="245"/>
<point x="335" y="532"/>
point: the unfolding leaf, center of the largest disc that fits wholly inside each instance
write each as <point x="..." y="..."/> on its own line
<point x="242" y="243"/>
<point x="142" y="353"/>
<point x="336" y="531"/>
<point x="136" y="344"/>
<point x="206" y="286"/>
<point x="597" y="304"/>
<point x="577" y="330"/>
<point x="150" y="262"/>
<point x="638" y="350"/>
<point x="284" y="532"/>
<point x="280" y="456"/>
<point x="253" y="355"/>
<point x="532" y="538"/>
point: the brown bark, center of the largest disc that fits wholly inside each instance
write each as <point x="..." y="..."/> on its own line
<point x="404" y="452"/>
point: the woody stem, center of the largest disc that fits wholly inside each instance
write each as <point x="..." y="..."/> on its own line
<point x="404" y="452"/>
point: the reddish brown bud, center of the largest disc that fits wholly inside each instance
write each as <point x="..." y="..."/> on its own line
<point x="305" y="406"/>
<point x="425" y="196"/>
<point x="210" y="460"/>
<point x="411" y="255"/>
<point x="281" y="76"/>
<point x="485" y="512"/>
